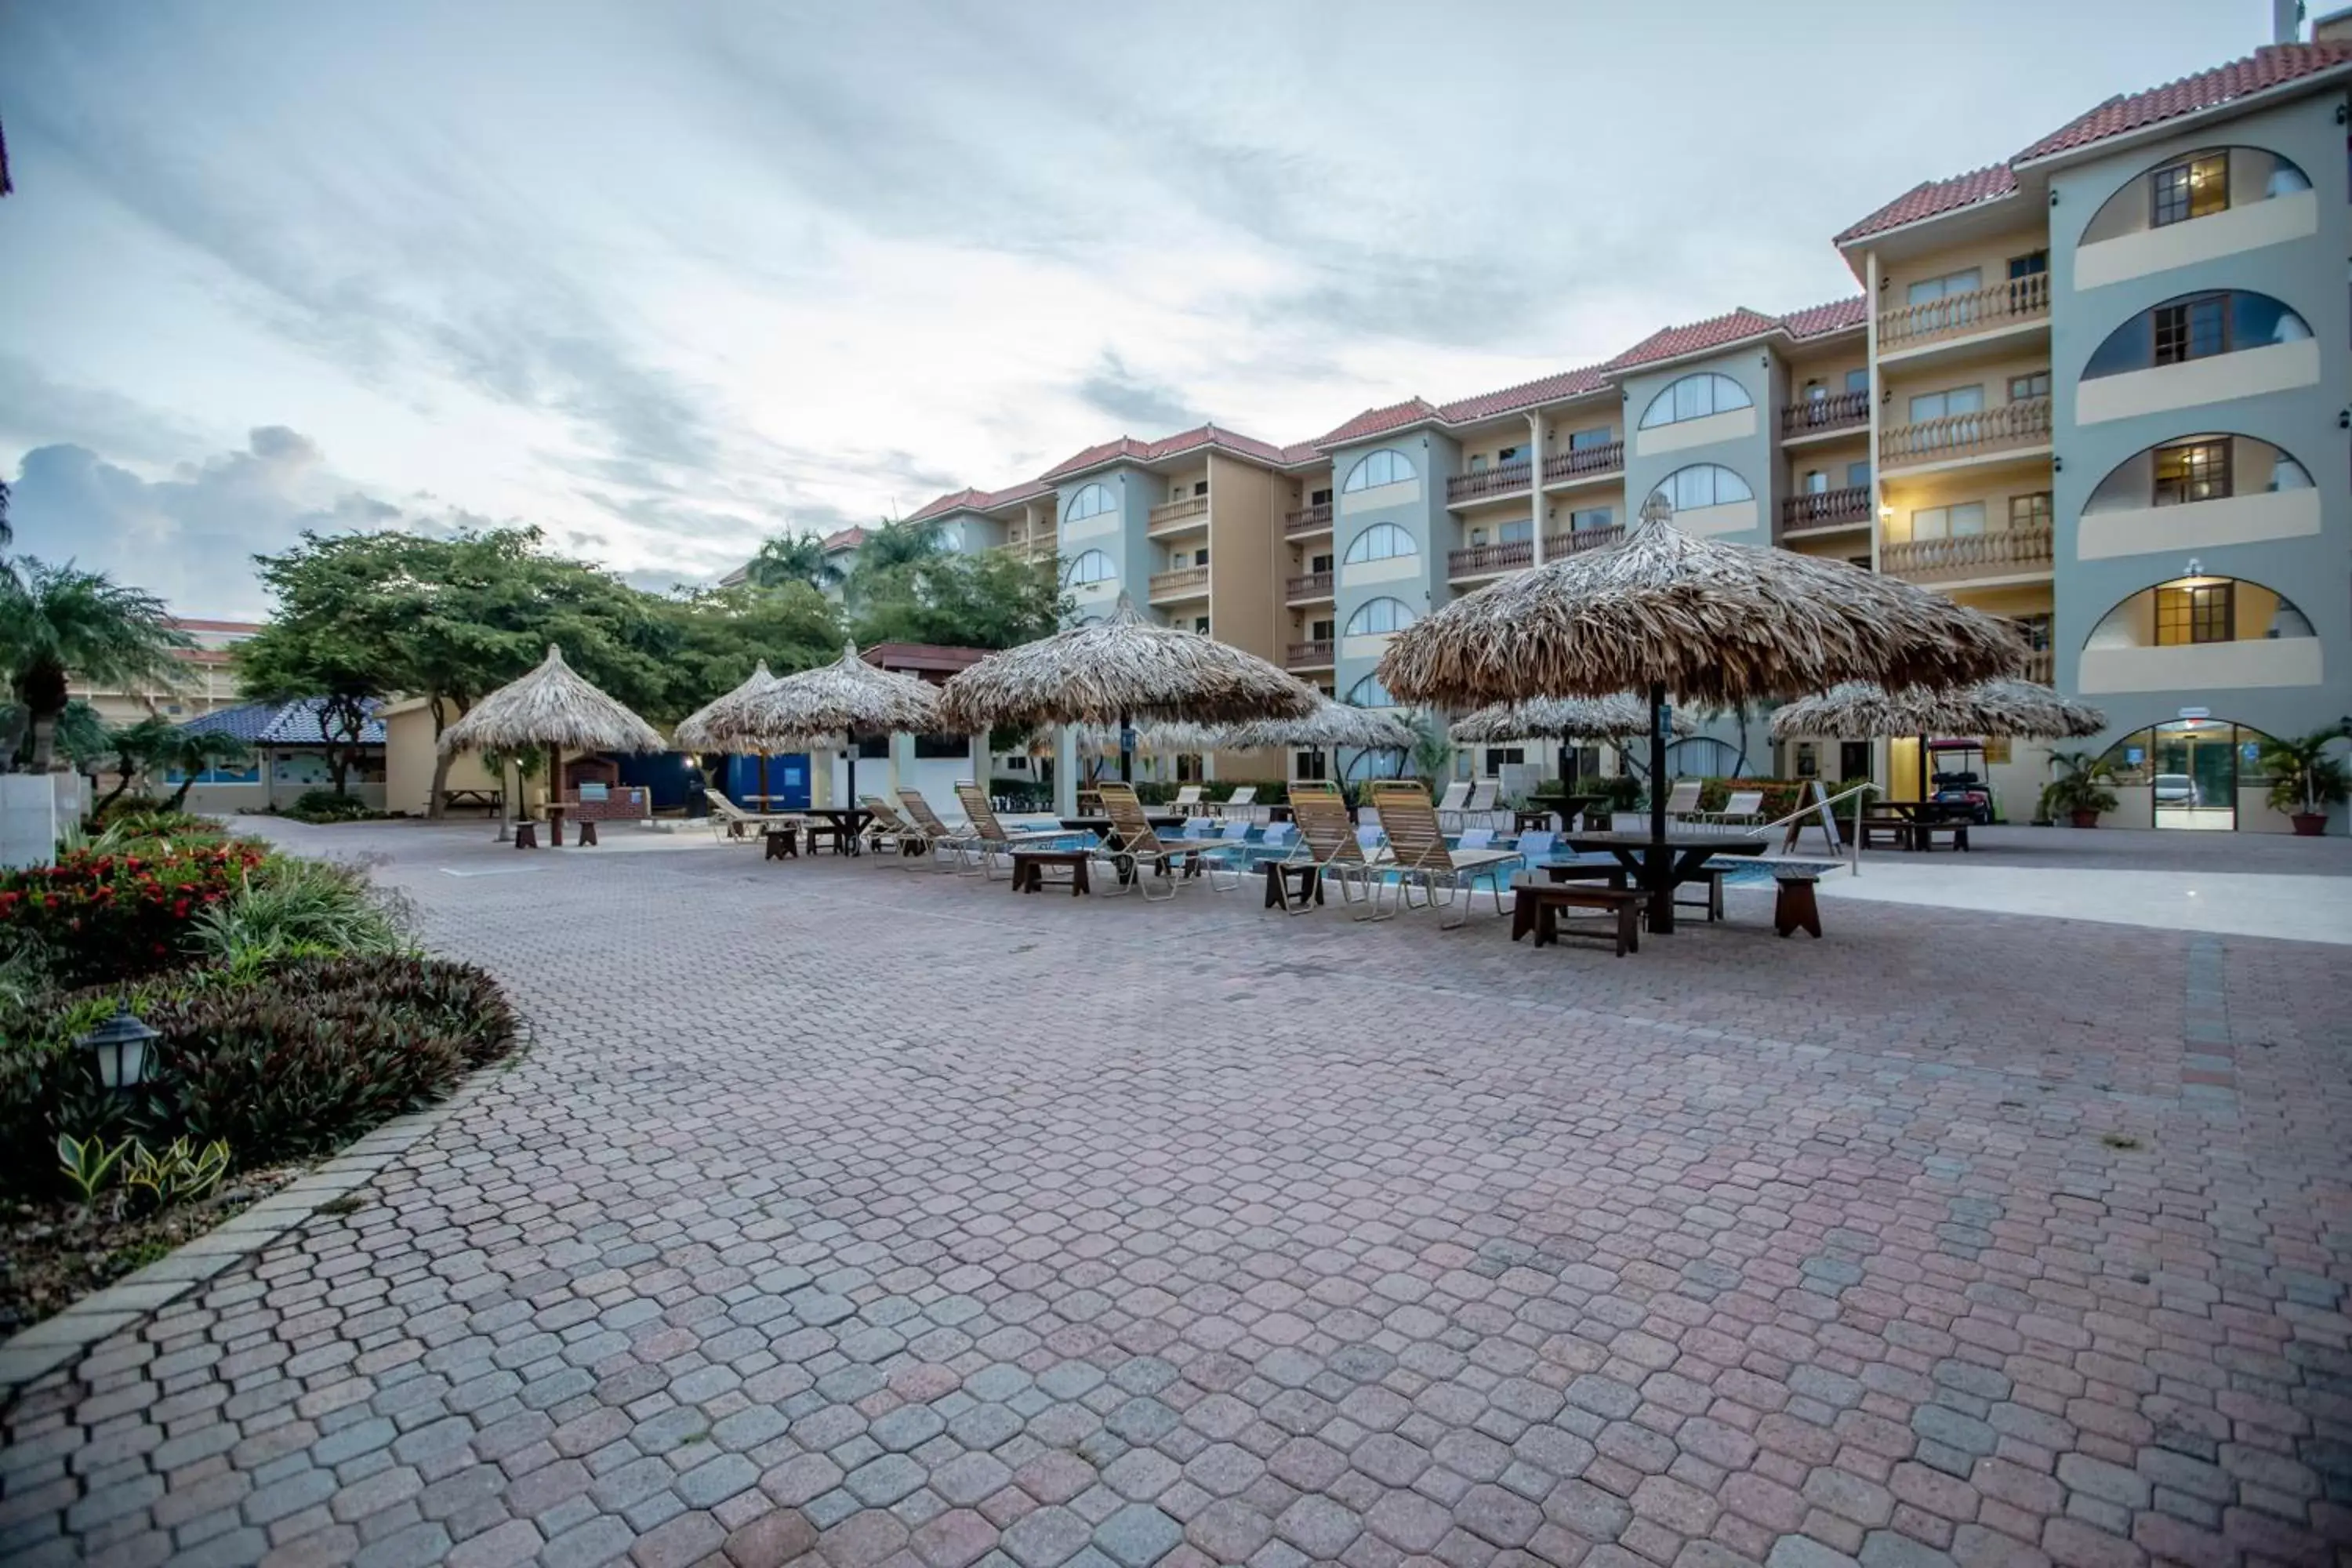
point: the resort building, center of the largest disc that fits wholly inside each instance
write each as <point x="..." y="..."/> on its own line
<point x="2090" y="389"/>
<point x="205" y="682"/>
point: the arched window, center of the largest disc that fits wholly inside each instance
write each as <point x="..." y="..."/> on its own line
<point x="1092" y="500"/>
<point x="1094" y="566"/>
<point x="1369" y="693"/>
<point x="1378" y="617"/>
<point x="1381" y="542"/>
<point x="2196" y="185"/>
<point x="1702" y="485"/>
<point x="2191" y="610"/>
<point x="1695" y="397"/>
<point x="2193" y="327"/>
<point x="2214" y="466"/>
<point x="1386" y="467"/>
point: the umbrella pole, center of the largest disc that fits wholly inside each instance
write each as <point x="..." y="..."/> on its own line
<point x="1660" y="877"/>
<point x="554" y="796"/>
<point x="1125" y="757"/>
<point x="763" y="781"/>
<point x="851" y="736"/>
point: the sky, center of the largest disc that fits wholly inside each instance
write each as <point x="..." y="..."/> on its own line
<point x="663" y="280"/>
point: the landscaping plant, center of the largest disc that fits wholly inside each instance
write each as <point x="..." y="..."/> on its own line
<point x="2081" y="792"/>
<point x="2304" y="779"/>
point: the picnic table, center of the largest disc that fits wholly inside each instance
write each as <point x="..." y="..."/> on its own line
<point x="1914" y="824"/>
<point x="843" y="825"/>
<point x="1568" y="807"/>
<point x="490" y="800"/>
<point x="1686" y="856"/>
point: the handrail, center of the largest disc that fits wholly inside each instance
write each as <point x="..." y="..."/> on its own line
<point x="1814" y="807"/>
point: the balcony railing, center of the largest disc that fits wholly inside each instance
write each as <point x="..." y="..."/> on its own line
<point x="1480" y="560"/>
<point x="2016" y="299"/>
<point x="1315" y="519"/>
<point x="2042" y="666"/>
<point x="2024" y="422"/>
<point x="1583" y="462"/>
<point x="1559" y="544"/>
<point x="1310" y="585"/>
<point x="1509" y="479"/>
<point x="1184" y="582"/>
<point x="1826" y="509"/>
<point x="1177" y="511"/>
<point x="1308" y="655"/>
<point x="2013" y="552"/>
<point x="1820" y="415"/>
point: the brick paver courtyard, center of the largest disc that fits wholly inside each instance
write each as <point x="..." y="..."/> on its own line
<point x="858" y="1216"/>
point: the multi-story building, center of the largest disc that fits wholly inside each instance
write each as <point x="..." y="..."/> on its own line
<point x="2090" y="389"/>
<point x="204" y="682"/>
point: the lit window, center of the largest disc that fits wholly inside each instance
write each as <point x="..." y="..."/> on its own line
<point x="1094" y="566"/>
<point x="1942" y="404"/>
<point x="2200" y="613"/>
<point x="1928" y="289"/>
<point x="1092" y="500"/>
<point x="1949" y="521"/>
<point x="2198" y="187"/>
<point x="2192" y="471"/>
<point x="1381" y="542"/>
<point x="1386" y="467"/>
<point x="1378" y="617"/>
<point x="1704" y="485"/>
<point x="1695" y="397"/>
<point x="1369" y="693"/>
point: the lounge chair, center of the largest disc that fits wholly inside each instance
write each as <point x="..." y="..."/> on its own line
<point x="990" y="839"/>
<point x="1330" y="843"/>
<point x="1188" y="800"/>
<point x="730" y="821"/>
<point x="1138" y="856"/>
<point x="887" y="829"/>
<point x="1242" y="802"/>
<point x="960" y="842"/>
<point x="1481" y="803"/>
<point x="1449" y="805"/>
<point x="1423" y="861"/>
<point x="1682" y="801"/>
<point x="1744" y="807"/>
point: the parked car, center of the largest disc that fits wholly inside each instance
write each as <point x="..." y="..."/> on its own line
<point x="2177" y="789"/>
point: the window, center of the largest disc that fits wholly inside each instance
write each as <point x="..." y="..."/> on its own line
<point x="1695" y="397"/>
<point x="2192" y="471"/>
<point x="1590" y="516"/>
<point x="1200" y="557"/>
<point x="1928" y="289"/>
<point x="1093" y="566"/>
<point x="1951" y="400"/>
<point x="1703" y="485"/>
<point x="1381" y="542"/>
<point x="1816" y="482"/>
<point x="2191" y="328"/>
<point x="1508" y="455"/>
<point x="1201" y="625"/>
<point x="1378" y="617"/>
<point x="2032" y="264"/>
<point x="1093" y="501"/>
<point x="2195" y="187"/>
<point x="1585" y="440"/>
<point x="1307" y="765"/>
<point x="2034" y="383"/>
<point x="1320" y="631"/>
<point x="942" y="748"/>
<point x="2035" y="629"/>
<point x="1318" y="563"/>
<point x="2030" y="511"/>
<point x="1369" y="693"/>
<point x="1499" y="757"/>
<point x="1949" y="521"/>
<point x="1857" y="474"/>
<point x="2200" y="613"/>
<point x="1386" y="467"/>
<point x="1857" y="381"/>
<point x="1319" y="498"/>
<point x="1200" y="487"/>
<point x="1518" y="532"/>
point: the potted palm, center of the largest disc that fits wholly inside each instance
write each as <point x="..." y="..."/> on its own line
<point x="2080" y="793"/>
<point x="2304" y="779"/>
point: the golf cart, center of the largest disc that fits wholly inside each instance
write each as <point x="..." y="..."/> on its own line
<point x="1957" y="770"/>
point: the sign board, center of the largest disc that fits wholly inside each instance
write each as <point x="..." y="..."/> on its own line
<point x="2197" y="712"/>
<point x="1665" y="721"/>
<point x="1127" y="739"/>
<point x="2135" y="755"/>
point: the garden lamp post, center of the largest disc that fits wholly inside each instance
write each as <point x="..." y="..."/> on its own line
<point x="120" y="1046"/>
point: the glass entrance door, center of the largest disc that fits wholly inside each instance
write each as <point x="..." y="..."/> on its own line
<point x="2196" y="775"/>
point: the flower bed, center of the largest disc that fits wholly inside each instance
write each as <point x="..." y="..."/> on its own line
<point x="106" y="915"/>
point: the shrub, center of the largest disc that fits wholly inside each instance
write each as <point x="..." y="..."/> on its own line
<point x="300" y="908"/>
<point x="98" y="915"/>
<point x="124" y="829"/>
<point x="1782" y="797"/>
<point x="326" y="806"/>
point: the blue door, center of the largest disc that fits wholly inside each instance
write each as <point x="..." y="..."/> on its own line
<point x="788" y="780"/>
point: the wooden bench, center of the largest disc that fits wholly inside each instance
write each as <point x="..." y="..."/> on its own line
<point x="490" y="800"/>
<point x="1892" y="826"/>
<point x="1923" y="832"/>
<point x="1536" y="906"/>
<point x="1795" y="906"/>
<point x="783" y="842"/>
<point x="1029" y="869"/>
<point x="1288" y="882"/>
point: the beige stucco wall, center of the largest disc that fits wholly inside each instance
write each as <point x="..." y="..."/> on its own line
<point x="408" y="754"/>
<point x="2170" y="530"/>
<point x="1245" y="542"/>
<point x="2208" y="238"/>
<point x="2223" y="378"/>
<point x="1990" y="257"/>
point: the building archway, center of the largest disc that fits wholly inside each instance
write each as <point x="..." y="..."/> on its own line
<point x="2194" y="773"/>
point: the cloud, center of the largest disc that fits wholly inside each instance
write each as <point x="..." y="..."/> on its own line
<point x="1138" y="403"/>
<point x="36" y="407"/>
<point x="192" y="537"/>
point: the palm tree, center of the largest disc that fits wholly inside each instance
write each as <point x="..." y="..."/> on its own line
<point x="137" y="749"/>
<point x="2304" y="779"/>
<point x="192" y="752"/>
<point x="792" y="558"/>
<point x="892" y="544"/>
<point x="57" y="621"/>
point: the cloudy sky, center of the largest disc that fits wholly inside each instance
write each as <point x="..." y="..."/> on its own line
<point x="666" y="279"/>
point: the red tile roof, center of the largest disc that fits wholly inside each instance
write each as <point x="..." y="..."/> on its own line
<point x="1933" y="198"/>
<point x="1378" y="421"/>
<point x="846" y="539"/>
<point x="190" y="624"/>
<point x="2267" y="68"/>
<point x="1095" y="457"/>
<point x="1820" y="321"/>
<point x="1673" y="342"/>
<point x="1526" y="394"/>
<point x="969" y="500"/>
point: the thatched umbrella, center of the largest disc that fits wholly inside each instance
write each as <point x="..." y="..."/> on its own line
<point x="1332" y="725"/>
<point x="1116" y="671"/>
<point x="1858" y="710"/>
<point x="1714" y="622"/>
<point x="718" y="725"/>
<point x="842" y="699"/>
<point x="550" y="707"/>
<point x="1615" y="716"/>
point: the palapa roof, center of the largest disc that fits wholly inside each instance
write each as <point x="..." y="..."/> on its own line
<point x="1172" y="738"/>
<point x="1564" y="717"/>
<point x="1857" y="711"/>
<point x="552" y="706"/>
<point x="847" y="696"/>
<point x="719" y="724"/>
<point x="1120" y="670"/>
<point x="1332" y="724"/>
<point x="1716" y="623"/>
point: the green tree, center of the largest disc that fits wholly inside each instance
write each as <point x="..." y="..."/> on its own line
<point x="706" y="642"/>
<point x="991" y="600"/>
<point x="135" y="748"/>
<point x="191" y="752"/>
<point x="2304" y="779"/>
<point x="1432" y="751"/>
<point x="888" y="552"/>
<point x="792" y="558"/>
<point x="57" y="621"/>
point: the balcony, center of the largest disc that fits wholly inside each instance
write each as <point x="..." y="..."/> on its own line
<point x="1557" y="545"/>
<point x="1584" y="462"/>
<point x="1184" y="582"/>
<point x="1508" y="479"/>
<point x="1826" y="509"/>
<point x="2012" y="553"/>
<point x="1315" y="519"/>
<point x="1309" y="585"/>
<point x="1485" y="559"/>
<point x="2042" y="666"/>
<point x="2012" y="426"/>
<point x="1177" y="516"/>
<point x="1316" y="654"/>
<point x="2016" y="301"/>
<point x="1825" y="416"/>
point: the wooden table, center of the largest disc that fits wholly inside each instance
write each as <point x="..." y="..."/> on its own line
<point x="843" y="825"/>
<point x="1685" y="853"/>
<point x="490" y="800"/>
<point x="1566" y="807"/>
<point x="1029" y="869"/>
<point x="1914" y="824"/>
<point x="1293" y="881"/>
